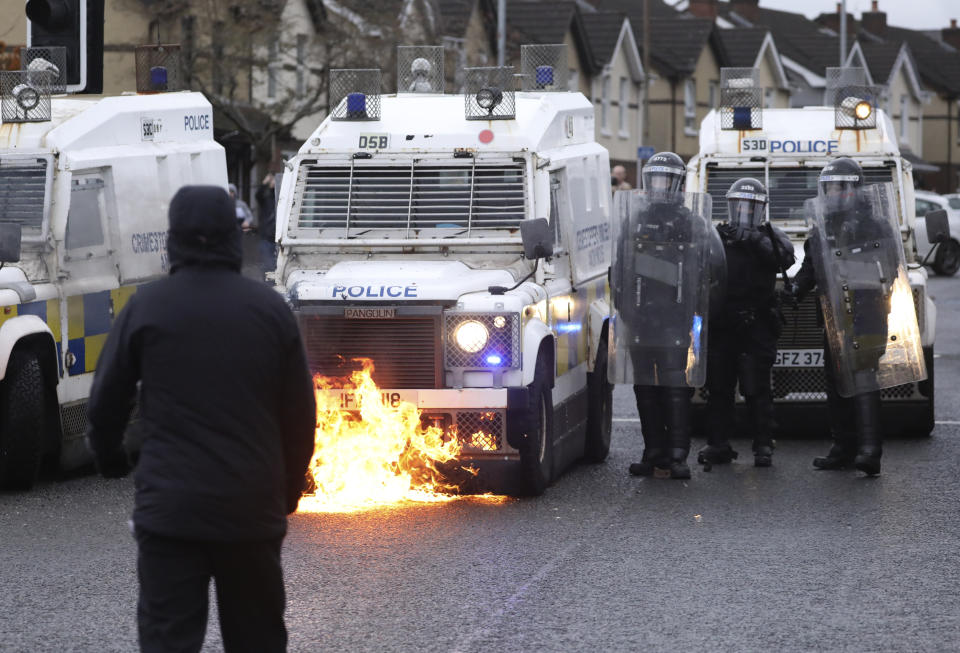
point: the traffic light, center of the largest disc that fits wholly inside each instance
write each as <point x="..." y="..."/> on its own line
<point x="76" y="25"/>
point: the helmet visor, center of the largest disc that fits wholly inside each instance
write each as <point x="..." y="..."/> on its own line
<point x="662" y="179"/>
<point x="838" y="192"/>
<point x="746" y="209"/>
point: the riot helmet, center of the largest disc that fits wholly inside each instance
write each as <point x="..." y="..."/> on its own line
<point x="839" y="184"/>
<point x="746" y="203"/>
<point x="663" y="176"/>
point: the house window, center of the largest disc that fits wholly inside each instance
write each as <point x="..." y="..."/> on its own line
<point x="301" y="64"/>
<point x="714" y="93"/>
<point x="574" y="79"/>
<point x="605" y="104"/>
<point x="690" y="107"/>
<point x="273" y="67"/>
<point x="624" y="107"/>
<point x="767" y="98"/>
<point x="904" y="116"/>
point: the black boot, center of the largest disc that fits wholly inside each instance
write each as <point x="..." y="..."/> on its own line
<point x="720" y="453"/>
<point x="840" y="456"/>
<point x="679" y="427"/>
<point x="653" y="429"/>
<point x="869" y="447"/>
<point x="760" y="413"/>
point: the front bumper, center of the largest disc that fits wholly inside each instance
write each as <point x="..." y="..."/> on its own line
<point x="487" y="421"/>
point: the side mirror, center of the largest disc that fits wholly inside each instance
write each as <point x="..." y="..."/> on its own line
<point x="938" y="226"/>
<point x="537" y="238"/>
<point x="9" y="242"/>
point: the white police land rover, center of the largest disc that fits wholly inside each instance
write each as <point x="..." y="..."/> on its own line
<point x="786" y="148"/>
<point x="399" y="224"/>
<point x="85" y="182"/>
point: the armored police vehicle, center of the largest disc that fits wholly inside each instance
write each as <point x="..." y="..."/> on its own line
<point x="786" y="149"/>
<point x="85" y="183"/>
<point x="410" y="234"/>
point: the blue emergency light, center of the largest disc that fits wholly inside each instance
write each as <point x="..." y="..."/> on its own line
<point x="158" y="77"/>
<point x="742" y="118"/>
<point x="356" y="105"/>
<point x="544" y="75"/>
<point x="494" y="359"/>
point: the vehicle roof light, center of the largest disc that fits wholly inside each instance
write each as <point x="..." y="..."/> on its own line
<point x="489" y="98"/>
<point x="741" y="99"/>
<point x="862" y="110"/>
<point x="356" y="105"/>
<point x="544" y="75"/>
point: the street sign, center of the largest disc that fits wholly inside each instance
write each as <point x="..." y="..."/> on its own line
<point x="644" y="152"/>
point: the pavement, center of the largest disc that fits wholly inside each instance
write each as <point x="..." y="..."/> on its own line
<point x="737" y="559"/>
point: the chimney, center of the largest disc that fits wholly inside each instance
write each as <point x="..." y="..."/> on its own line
<point x="874" y="21"/>
<point x="749" y="9"/>
<point x="832" y="21"/>
<point x="951" y="34"/>
<point x="703" y="8"/>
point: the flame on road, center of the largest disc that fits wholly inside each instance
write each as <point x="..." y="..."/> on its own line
<point x="380" y="457"/>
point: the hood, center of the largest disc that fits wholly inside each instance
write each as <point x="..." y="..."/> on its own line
<point x="379" y="281"/>
<point x="203" y="229"/>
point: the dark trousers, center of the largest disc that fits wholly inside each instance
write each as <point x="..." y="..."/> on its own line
<point x="854" y="421"/>
<point x="174" y="580"/>
<point x="743" y="354"/>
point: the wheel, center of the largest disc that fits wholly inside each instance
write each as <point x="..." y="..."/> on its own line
<point x="21" y="422"/>
<point x="536" y="450"/>
<point x="947" y="260"/>
<point x="600" y="408"/>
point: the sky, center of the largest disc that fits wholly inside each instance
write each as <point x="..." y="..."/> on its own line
<point x="914" y="14"/>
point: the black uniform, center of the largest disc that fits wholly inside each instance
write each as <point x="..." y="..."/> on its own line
<point x="854" y="421"/>
<point x="664" y="409"/>
<point x="227" y="410"/>
<point x="743" y="339"/>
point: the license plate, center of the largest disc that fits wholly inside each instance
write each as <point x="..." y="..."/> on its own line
<point x="373" y="141"/>
<point x="347" y="400"/>
<point x="799" y="358"/>
<point x="369" y="313"/>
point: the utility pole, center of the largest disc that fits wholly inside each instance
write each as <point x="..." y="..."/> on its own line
<point x="843" y="32"/>
<point x="646" y="71"/>
<point x="501" y="31"/>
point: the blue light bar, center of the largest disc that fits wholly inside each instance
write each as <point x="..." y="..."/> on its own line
<point x="494" y="359"/>
<point x="569" y="327"/>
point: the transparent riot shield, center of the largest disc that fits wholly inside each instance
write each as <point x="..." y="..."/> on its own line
<point x="660" y="288"/>
<point x="867" y="303"/>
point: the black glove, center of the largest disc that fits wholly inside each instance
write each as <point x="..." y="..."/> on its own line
<point x="728" y="232"/>
<point x="116" y="464"/>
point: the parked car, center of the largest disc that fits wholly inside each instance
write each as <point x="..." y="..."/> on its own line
<point x="946" y="260"/>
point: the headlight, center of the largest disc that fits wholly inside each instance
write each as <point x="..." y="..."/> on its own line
<point x="489" y="98"/>
<point x="471" y="336"/>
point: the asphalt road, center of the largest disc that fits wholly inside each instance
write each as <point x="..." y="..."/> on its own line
<point x="738" y="559"/>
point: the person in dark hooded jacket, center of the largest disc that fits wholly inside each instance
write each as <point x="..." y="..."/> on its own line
<point x="227" y="411"/>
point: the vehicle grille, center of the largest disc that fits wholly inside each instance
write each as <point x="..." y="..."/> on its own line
<point x="405" y="350"/>
<point x="418" y="196"/>
<point x="788" y="187"/>
<point x="481" y="431"/>
<point x="22" y="190"/>
<point x="802" y="328"/>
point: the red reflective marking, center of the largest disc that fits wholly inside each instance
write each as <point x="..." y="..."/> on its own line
<point x="486" y="136"/>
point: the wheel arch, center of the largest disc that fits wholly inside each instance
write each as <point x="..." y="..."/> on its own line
<point x="537" y="338"/>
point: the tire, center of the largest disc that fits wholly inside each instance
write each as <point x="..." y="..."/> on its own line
<point x="21" y="422"/>
<point x="947" y="260"/>
<point x="536" y="450"/>
<point x="600" y="408"/>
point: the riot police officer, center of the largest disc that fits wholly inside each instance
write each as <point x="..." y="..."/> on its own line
<point x="852" y="257"/>
<point x="660" y="303"/>
<point x="744" y="331"/>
